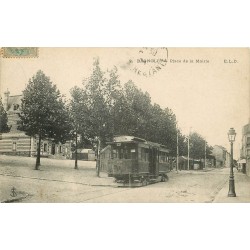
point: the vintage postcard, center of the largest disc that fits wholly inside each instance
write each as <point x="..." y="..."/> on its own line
<point x="124" y="125"/>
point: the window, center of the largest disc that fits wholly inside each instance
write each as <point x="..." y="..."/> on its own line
<point x="60" y="149"/>
<point x="14" y="146"/>
<point x="144" y="154"/>
<point x="15" y="106"/>
<point x="248" y="141"/>
<point x="45" y="147"/>
<point x="127" y="153"/>
<point x="163" y="157"/>
<point x="133" y="153"/>
<point x="121" y="153"/>
<point x="114" y="153"/>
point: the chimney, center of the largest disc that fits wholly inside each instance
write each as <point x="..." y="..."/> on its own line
<point x="6" y="99"/>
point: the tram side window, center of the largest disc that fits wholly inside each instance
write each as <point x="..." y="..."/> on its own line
<point x="121" y="153"/>
<point x="144" y="154"/>
<point x="141" y="154"/>
<point x="163" y="157"/>
<point x="114" y="153"/>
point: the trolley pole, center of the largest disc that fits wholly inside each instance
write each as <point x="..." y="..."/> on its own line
<point x="188" y="151"/>
<point x="205" y="155"/>
<point x="189" y="147"/>
<point x="76" y="165"/>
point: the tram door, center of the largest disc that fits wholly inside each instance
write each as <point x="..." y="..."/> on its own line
<point x="153" y="159"/>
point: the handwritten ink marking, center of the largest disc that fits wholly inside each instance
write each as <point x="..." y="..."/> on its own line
<point x="149" y="62"/>
<point x="13" y="192"/>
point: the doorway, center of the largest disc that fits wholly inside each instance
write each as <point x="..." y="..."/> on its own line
<point x="153" y="160"/>
<point x="53" y="149"/>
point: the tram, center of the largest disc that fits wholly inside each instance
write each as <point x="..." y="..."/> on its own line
<point x="133" y="161"/>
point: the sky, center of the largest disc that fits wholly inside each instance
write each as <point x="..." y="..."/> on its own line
<point x="207" y="88"/>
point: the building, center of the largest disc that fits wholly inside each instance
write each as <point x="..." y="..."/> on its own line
<point x="17" y="143"/>
<point x="245" y="149"/>
<point x="222" y="157"/>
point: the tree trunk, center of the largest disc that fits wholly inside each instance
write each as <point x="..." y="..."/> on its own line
<point x="98" y="159"/>
<point x="38" y="154"/>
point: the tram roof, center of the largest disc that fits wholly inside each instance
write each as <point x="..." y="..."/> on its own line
<point x="128" y="138"/>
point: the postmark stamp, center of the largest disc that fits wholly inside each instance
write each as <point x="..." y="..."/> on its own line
<point x="19" y="52"/>
<point x="147" y="61"/>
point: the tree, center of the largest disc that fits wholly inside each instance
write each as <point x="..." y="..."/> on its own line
<point x="197" y="146"/>
<point x="4" y="128"/>
<point x="104" y="108"/>
<point x="138" y="110"/>
<point x="43" y="112"/>
<point x="79" y="117"/>
<point x="183" y="144"/>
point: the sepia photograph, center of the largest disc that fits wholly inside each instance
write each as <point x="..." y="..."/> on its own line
<point x="124" y="125"/>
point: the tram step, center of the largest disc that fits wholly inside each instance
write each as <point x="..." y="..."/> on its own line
<point x="137" y="181"/>
<point x="153" y="180"/>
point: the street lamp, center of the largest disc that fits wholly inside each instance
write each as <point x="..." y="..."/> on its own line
<point x="177" y="149"/>
<point x="231" y="137"/>
<point x="205" y="154"/>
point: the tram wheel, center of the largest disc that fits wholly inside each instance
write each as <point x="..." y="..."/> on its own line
<point x="164" y="178"/>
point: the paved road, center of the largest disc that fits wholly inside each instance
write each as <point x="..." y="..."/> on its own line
<point x="182" y="187"/>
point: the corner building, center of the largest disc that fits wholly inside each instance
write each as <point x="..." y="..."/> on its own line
<point x="16" y="142"/>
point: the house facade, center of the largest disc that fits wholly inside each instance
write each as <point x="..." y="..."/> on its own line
<point x="16" y="142"/>
<point x="245" y="149"/>
<point x="222" y="157"/>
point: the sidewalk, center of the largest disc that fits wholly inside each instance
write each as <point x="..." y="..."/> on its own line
<point x="50" y="170"/>
<point x="242" y="190"/>
<point x="9" y="193"/>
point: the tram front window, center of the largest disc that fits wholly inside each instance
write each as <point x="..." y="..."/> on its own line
<point x="133" y="154"/>
<point x="114" y="153"/>
<point x="124" y="153"/>
<point x="127" y="154"/>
